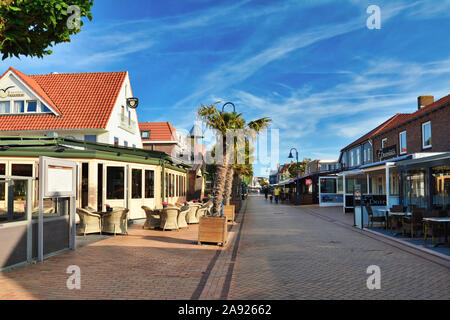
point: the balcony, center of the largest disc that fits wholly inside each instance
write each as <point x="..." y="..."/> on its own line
<point x="127" y="124"/>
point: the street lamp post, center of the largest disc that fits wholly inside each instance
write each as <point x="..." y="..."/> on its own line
<point x="298" y="180"/>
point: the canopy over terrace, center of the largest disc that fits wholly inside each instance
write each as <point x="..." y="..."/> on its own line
<point x="117" y="176"/>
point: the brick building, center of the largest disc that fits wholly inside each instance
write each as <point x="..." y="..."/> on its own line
<point x="425" y="130"/>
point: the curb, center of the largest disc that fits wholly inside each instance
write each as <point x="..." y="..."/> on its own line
<point x="411" y="245"/>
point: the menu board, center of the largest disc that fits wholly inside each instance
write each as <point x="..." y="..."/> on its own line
<point x="59" y="179"/>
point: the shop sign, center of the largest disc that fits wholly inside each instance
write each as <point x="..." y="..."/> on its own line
<point x="375" y="199"/>
<point x="388" y="152"/>
<point x="308" y="182"/>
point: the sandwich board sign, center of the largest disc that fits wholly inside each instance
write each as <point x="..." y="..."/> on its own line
<point x="57" y="179"/>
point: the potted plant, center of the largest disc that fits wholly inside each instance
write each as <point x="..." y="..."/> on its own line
<point x="214" y="228"/>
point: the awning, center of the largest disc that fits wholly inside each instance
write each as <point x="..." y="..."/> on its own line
<point x="382" y="163"/>
<point x="432" y="161"/>
<point x="287" y="181"/>
<point x="350" y="172"/>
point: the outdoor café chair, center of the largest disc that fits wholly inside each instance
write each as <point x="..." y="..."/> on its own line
<point x="373" y="218"/>
<point x="89" y="222"/>
<point x="153" y="218"/>
<point x="169" y="218"/>
<point x="182" y="217"/>
<point x="116" y="221"/>
<point x="413" y="222"/>
<point x="201" y="212"/>
<point x="431" y="228"/>
<point x="191" y="216"/>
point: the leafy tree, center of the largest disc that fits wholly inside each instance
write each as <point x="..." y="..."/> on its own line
<point x="30" y="27"/>
<point x="301" y="167"/>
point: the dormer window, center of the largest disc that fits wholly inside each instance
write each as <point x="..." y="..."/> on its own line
<point x="145" y="134"/>
<point x="12" y="107"/>
<point x="31" y="106"/>
<point x="5" y="106"/>
<point x="19" y="106"/>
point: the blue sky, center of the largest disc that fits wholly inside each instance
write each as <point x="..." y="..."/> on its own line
<point x="312" y="66"/>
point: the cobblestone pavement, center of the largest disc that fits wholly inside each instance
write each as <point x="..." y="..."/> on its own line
<point x="147" y="264"/>
<point x="288" y="252"/>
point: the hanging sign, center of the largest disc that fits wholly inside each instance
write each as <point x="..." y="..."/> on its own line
<point x="308" y="182"/>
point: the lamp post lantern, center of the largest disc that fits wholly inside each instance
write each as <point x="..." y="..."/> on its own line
<point x="298" y="180"/>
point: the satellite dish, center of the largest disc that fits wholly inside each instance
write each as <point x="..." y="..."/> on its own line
<point x="132" y="103"/>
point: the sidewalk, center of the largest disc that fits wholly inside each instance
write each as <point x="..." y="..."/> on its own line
<point x="308" y="252"/>
<point x="146" y="264"/>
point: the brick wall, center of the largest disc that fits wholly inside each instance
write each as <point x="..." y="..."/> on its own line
<point x="167" y="148"/>
<point x="440" y="134"/>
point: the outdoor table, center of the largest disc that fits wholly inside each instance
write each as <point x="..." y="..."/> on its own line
<point x="397" y="215"/>
<point x="445" y="221"/>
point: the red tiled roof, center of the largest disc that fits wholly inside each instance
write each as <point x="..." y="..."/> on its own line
<point x="375" y="131"/>
<point x="399" y="119"/>
<point x="417" y="114"/>
<point x="159" y="131"/>
<point x="82" y="100"/>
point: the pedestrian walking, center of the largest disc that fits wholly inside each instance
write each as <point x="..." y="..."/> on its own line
<point x="276" y="193"/>
<point x="266" y="192"/>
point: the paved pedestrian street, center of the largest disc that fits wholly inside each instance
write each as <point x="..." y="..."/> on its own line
<point x="287" y="252"/>
<point x="275" y="252"/>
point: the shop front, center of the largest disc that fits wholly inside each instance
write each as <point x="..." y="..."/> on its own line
<point x="109" y="176"/>
<point x="331" y="191"/>
<point x="426" y="182"/>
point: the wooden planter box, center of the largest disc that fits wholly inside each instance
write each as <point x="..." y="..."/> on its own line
<point x="228" y="212"/>
<point x="237" y="205"/>
<point x="213" y="229"/>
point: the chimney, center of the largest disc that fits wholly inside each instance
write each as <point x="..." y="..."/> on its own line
<point x="423" y="101"/>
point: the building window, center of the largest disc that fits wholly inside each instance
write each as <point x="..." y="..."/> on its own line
<point x="125" y="143"/>
<point x="44" y="108"/>
<point x="19" y="107"/>
<point x="90" y="138"/>
<point x="426" y="135"/>
<point x="167" y="185"/>
<point x="20" y="186"/>
<point x="402" y="142"/>
<point x="149" y="184"/>
<point x="31" y="106"/>
<point x="352" y="158"/>
<point x="116" y="141"/>
<point x="5" y="106"/>
<point x="136" y="183"/>
<point x="2" y="185"/>
<point x="384" y="143"/>
<point x="358" y="156"/>
<point x="115" y="183"/>
<point x="145" y="134"/>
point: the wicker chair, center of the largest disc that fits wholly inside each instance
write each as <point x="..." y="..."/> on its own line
<point x="169" y="218"/>
<point x="413" y="222"/>
<point x="373" y="218"/>
<point x="182" y="217"/>
<point x="153" y="219"/>
<point x="89" y="222"/>
<point x="202" y="212"/>
<point x="116" y="221"/>
<point x="191" y="216"/>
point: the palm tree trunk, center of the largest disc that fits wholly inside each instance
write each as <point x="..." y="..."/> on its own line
<point x="219" y="186"/>
<point x="228" y="186"/>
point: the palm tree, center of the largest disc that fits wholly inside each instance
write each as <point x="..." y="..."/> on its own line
<point x="222" y="122"/>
